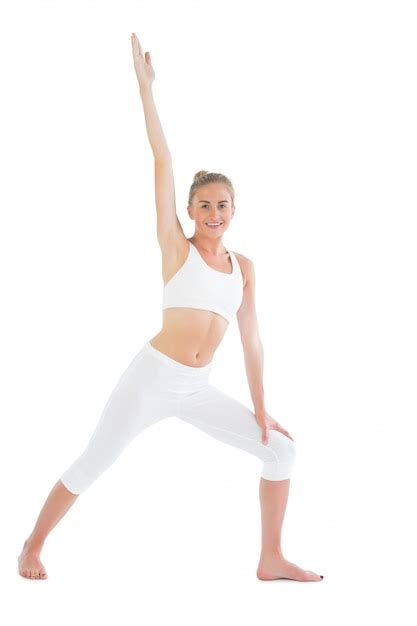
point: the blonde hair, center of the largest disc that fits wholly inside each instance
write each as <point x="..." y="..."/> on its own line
<point x="204" y="178"/>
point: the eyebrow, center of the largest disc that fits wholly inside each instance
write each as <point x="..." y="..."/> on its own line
<point x="208" y="201"/>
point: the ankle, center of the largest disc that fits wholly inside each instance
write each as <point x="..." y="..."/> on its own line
<point x="33" y="545"/>
<point x="268" y="554"/>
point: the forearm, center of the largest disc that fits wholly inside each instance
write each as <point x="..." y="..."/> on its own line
<point x="254" y="364"/>
<point x="153" y="126"/>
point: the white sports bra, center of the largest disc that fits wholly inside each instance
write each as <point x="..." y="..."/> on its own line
<point x="196" y="285"/>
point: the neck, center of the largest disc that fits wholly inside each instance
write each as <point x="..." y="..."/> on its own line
<point x="209" y="245"/>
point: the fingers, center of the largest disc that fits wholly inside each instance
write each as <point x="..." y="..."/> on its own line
<point x="137" y="50"/>
<point x="271" y="424"/>
<point x="285" y="432"/>
<point x="282" y="430"/>
<point x="136" y="43"/>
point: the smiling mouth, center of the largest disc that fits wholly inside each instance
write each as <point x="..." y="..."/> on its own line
<point x="214" y="225"/>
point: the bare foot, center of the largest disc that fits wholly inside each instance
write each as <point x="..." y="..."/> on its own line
<point x="30" y="565"/>
<point x="277" y="567"/>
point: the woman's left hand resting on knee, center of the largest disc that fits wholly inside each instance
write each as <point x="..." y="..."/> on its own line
<point x="266" y="422"/>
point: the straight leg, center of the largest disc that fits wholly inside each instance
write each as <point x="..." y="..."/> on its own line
<point x="136" y="402"/>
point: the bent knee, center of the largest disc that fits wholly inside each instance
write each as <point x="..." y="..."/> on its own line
<point x="282" y="460"/>
<point x="282" y="445"/>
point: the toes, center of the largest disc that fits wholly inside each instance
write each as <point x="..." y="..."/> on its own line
<point x="33" y="573"/>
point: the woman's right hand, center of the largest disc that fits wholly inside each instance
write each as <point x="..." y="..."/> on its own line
<point x="143" y="66"/>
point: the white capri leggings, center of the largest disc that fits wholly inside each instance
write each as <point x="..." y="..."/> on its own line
<point x="155" y="386"/>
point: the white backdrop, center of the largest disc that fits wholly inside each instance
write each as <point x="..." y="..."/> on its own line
<point x="309" y="108"/>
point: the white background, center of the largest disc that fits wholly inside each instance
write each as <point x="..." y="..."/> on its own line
<point x="310" y="109"/>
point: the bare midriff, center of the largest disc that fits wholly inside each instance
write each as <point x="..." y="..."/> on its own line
<point x="190" y="336"/>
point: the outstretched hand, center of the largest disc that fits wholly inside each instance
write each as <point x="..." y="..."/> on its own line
<point x="266" y="423"/>
<point x="143" y="65"/>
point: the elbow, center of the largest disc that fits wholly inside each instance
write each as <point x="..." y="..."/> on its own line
<point x="162" y="158"/>
<point x="252" y="343"/>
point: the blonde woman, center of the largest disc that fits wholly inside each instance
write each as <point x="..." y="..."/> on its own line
<point x="205" y="285"/>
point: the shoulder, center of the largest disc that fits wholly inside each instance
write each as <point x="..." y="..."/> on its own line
<point x="247" y="267"/>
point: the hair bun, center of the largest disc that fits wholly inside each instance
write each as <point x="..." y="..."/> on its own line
<point x="199" y="175"/>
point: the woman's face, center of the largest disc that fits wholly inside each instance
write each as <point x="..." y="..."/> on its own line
<point x="211" y="204"/>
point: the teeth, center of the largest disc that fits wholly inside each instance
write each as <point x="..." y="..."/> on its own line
<point x="213" y="224"/>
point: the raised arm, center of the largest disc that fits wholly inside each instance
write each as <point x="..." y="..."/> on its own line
<point x="169" y="229"/>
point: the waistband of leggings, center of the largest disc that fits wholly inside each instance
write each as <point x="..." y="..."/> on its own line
<point x="189" y="369"/>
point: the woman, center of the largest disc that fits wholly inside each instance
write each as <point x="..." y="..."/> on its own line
<point x="204" y="286"/>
